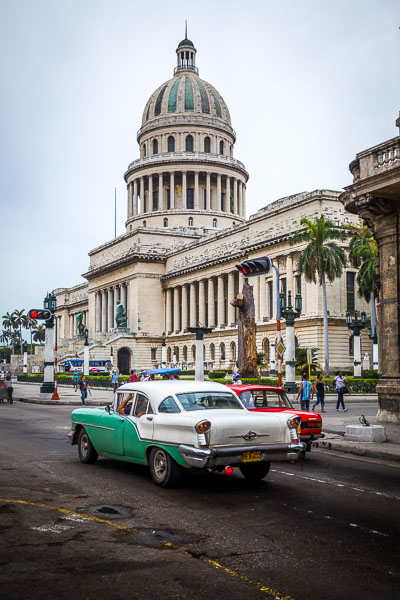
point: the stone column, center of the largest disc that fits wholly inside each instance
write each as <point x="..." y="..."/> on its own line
<point x="231" y="296"/>
<point x="135" y="198"/>
<point x="244" y="201"/>
<point x="98" y="311"/>
<point x="256" y="294"/>
<point x="129" y="194"/>
<point x="110" y="319"/>
<point x="185" y="321"/>
<point x="263" y="295"/>
<point x="150" y="195"/>
<point x="177" y="325"/>
<point x="124" y="295"/>
<point x="196" y="190"/>
<point x="289" y="275"/>
<point x="168" y="316"/>
<point x="104" y="311"/>
<point x="211" y="304"/>
<point x="172" y="189"/>
<point x="184" y="193"/>
<point x="208" y="191"/>
<point x="202" y="303"/>
<point x="219" y="187"/>
<point x="221" y="301"/>
<point x="235" y="197"/>
<point x="228" y="194"/>
<point x="141" y="195"/>
<point x="71" y="326"/>
<point x="240" y="198"/>
<point x="161" y="192"/>
<point x="192" y="305"/>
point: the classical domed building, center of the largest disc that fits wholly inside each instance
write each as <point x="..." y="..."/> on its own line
<point x="186" y="229"/>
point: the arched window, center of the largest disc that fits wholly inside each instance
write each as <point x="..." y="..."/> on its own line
<point x="265" y="348"/>
<point x="207" y="144"/>
<point x="214" y="222"/>
<point x="184" y="352"/>
<point x="221" y="147"/>
<point x="222" y="352"/>
<point x="193" y="353"/>
<point x="176" y="352"/>
<point x="165" y="222"/>
<point x="189" y="143"/>
<point x="144" y="150"/>
<point x="144" y="223"/>
<point x="212" y="351"/>
<point x="155" y="146"/>
<point x="190" y="221"/>
<point x="171" y="144"/>
<point x="233" y="224"/>
<point x="233" y="351"/>
<point x="169" y="355"/>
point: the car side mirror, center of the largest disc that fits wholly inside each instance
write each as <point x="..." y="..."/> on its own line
<point x="108" y="408"/>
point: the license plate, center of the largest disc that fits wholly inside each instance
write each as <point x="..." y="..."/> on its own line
<point x="251" y="456"/>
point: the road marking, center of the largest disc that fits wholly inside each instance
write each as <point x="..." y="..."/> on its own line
<point x="272" y="593"/>
<point x="339" y="485"/>
<point x="52" y="528"/>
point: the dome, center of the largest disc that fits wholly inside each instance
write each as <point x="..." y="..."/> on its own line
<point x="185" y="42"/>
<point x="186" y="95"/>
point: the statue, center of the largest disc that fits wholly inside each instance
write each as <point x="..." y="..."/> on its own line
<point x="79" y="323"/>
<point x="120" y="316"/>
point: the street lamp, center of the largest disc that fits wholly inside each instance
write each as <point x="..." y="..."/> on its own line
<point x="50" y="346"/>
<point x="163" y="351"/>
<point x="86" y="354"/>
<point x="355" y="325"/>
<point x="25" y="363"/>
<point x="290" y="316"/>
<point x="373" y="336"/>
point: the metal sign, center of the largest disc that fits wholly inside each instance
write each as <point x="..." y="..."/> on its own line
<point x="280" y="348"/>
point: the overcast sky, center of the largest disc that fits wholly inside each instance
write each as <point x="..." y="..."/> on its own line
<point x="309" y="83"/>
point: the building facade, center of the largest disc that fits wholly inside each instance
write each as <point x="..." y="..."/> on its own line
<point x="186" y="229"/>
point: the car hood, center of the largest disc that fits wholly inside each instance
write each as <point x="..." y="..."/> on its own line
<point x="305" y="415"/>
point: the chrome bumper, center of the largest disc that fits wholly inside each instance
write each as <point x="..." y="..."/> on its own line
<point x="230" y="455"/>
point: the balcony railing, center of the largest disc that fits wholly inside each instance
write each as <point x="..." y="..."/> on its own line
<point x="187" y="156"/>
<point x="376" y="160"/>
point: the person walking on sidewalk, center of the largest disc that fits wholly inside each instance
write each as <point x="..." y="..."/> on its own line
<point x="340" y="382"/>
<point x="9" y="388"/>
<point x="319" y="389"/>
<point x="83" y="387"/>
<point x="114" y="379"/>
<point x="76" y="378"/>
<point x="304" y="393"/>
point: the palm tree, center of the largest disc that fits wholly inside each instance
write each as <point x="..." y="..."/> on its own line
<point x="21" y="320"/>
<point x="10" y="325"/>
<point x="39" y="334"/>
<point x="321" y="259"/>
<point x="363" y="255"/>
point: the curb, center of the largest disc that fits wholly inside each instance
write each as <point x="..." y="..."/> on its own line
<point x="61" y="402"/>
<point x="358" y="448"/>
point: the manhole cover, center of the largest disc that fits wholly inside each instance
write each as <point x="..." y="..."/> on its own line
<point x="106" y="510"/>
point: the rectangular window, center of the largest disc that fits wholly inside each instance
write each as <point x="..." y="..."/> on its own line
<point x="190" y="198"/>
<point x="155" y="200"/>
<point x="168" y="198"/>
<point x="283" y="287"/>
<point x="270" y="300"/>
<point x="205" y="199"/>
<point x="153" y="353"/>
<point x="350" y="292"/>
<point x="298" y="284"/>
<point x="223" y="201"/>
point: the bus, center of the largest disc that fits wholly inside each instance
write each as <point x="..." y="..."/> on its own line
<point x="96" y="367"/>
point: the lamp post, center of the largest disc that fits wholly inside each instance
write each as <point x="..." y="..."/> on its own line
<point x="199" y="368"/>
<point x="290" y="316"/>
<point x="25" y="364"/>
<point x="86" y="354"/>
<point x="163" y="351"/>
<point x="356" y="326"/>
<point x="373" y="336"/>
<point x="49" y="303"/>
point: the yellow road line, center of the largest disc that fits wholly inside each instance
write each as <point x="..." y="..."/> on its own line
<point x="260" y="586"/>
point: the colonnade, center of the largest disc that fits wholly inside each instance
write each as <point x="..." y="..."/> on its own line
<point x="199" y="190"/>
<point x="208" y="300"/>
<point x="106" y="300"/>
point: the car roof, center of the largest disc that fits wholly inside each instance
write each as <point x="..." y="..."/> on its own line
<point x="158" y="390"/>
<point x="245" y="387"/>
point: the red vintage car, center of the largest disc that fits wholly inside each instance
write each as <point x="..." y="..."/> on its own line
<point x="264" y="398"/>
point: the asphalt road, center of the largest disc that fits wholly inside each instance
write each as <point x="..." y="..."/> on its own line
<point x="330" y="531"/>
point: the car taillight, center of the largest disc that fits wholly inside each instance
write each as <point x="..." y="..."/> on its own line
<point x="294" y="422"/>
<point x="203" y="426"/>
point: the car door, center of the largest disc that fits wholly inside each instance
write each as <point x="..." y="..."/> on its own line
<point x="139" y="427"/>
<point x="112" y="428"/>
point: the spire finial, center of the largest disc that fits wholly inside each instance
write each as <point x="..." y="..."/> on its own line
<point x="185" y="29"/>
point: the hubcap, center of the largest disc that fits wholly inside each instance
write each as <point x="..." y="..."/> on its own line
<point x="160" y="464"/>
<point x="84" y="445"/>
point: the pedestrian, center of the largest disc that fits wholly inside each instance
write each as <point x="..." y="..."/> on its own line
<point x="319" y="389"/>
<point x="304" y="393"/>
<point x="340" y="382"/>
<point x="132" y="377"/>
<point x="236" y="378"/>
<point x="9" y="389"/>
<point x="76" y="378"/>
<point x="114" y="379"/>
<point x="83" y="387"/>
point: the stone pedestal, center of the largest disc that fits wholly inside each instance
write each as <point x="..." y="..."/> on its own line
<point x="360" y="433"/>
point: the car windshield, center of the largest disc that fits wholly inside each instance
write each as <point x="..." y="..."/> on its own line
<point x="265" y="399"/>
<point x="208" y="400"/>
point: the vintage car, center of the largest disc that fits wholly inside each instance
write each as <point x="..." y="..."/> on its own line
<point x="173" y="425"/>
<point x="264" y="398"/>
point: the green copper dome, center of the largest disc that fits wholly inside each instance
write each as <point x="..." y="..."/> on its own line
<point x="185" y="42"/>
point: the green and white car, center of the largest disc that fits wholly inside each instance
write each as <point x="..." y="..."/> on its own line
<point x="176" y="425"/>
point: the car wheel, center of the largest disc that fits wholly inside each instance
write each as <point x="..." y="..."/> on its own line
<point x="255" y="471"/>
<point x="164" y="471"/>
<point x="87" y="453"/>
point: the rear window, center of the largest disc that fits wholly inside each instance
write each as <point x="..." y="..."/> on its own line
<point x="265" y="399"/>
<point x="208" y="400"/>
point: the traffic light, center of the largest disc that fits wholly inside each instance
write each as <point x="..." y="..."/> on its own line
<point x="40" y="314"/>
<point x="256" y="266"/>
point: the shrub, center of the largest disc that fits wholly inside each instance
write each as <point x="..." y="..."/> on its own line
<point x="217" y="374"/>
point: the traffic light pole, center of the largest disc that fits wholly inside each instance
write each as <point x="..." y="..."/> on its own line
<point x="55" y="395"/>
<point x="278" y="325"/>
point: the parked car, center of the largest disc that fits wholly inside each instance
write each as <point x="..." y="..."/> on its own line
<point x="264" y="398"/>
<point x="176" y="425"/>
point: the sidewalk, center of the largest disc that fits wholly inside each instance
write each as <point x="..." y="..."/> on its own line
<point x="334" y="422"/>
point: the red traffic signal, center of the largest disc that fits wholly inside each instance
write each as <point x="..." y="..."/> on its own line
<point x="256" y="266"/>
<point x="40" y="314"/>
